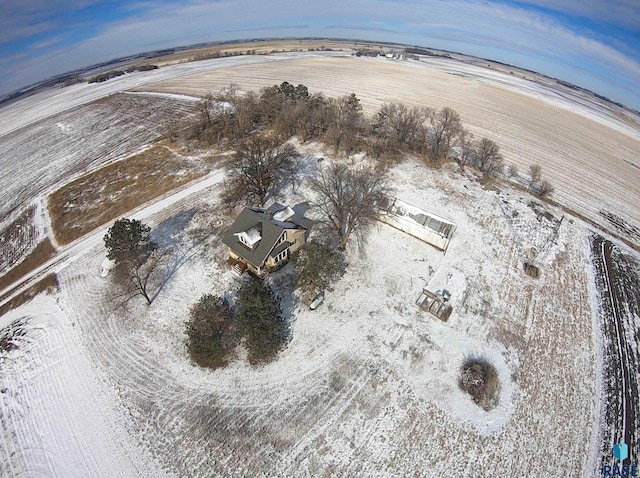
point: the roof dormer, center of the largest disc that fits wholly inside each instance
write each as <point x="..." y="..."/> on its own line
<point x="250" y="237"/>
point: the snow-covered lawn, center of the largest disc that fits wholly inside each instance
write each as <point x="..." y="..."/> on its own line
<point x="368" y="384"/>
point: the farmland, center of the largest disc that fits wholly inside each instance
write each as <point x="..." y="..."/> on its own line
<point x="18" y="237"/>
<point x="368" y="386"/>
<point x="519" y="115"/>
<point x="57" y="148"/>
<point x="102" y="196"/>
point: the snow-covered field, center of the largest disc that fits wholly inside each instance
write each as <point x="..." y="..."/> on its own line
<point x="49" y="152"/>
<point x="589" y="151"/>
<point x="369" y="384"/>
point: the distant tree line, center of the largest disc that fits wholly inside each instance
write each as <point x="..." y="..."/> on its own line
<point x="115" y="73"/>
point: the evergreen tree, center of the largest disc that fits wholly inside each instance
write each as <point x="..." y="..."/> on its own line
<point x="137" y="259"/>
<point x="129" y="240"/>
<point x="260" y="321"/>
<point x="211" y="331"/>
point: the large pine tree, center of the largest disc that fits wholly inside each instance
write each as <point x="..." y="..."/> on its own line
<point x="211" y="331"/>
<point x="260" y="321"/>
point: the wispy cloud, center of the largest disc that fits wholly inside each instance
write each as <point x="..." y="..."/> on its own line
<point x="517" y="31"/>
<point x="373" y="27"/>
<point x="622" y="13"/>
<point x="48" y="42"/>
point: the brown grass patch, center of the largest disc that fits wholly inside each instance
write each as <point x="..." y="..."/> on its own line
<point x="108" y="193"/>
<point x="42" y="252"/>
<point x="48" y="284"/>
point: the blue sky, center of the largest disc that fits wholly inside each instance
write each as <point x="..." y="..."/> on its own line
<point x="592" y="43"/>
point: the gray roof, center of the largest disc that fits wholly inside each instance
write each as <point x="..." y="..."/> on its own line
<point x="280" y="248"/>
<point x="270" y="230"/>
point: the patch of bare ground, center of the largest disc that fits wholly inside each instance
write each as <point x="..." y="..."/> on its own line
<point x="17" y="238"/>
<point x="48" y="284"/>
<point x="42" y="252"/>
<point x="106" y="194"/>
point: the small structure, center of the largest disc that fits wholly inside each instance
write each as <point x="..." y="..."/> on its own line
<point x="419" y="223"/>
<point x="262" y="240"/>
<point x="317" y="300"/>
<point x="435" y="304"/>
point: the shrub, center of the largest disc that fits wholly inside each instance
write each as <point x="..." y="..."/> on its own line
<point x="480" y="380"/>
<point x="531" y="270"/>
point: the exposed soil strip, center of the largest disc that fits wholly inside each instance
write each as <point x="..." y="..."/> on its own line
<point x="48" y="284"/>
<point x="42" y="252"/>
<point x="618" y="278"/>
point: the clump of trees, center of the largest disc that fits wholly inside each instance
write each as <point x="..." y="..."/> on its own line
<point x="317" y="265"/>
<point x="487" y="157"/>
<point x="479" y="379"/>
<point x="137" y="259"/>
<point x="538" y="185"/>
<point x="283" y="111"/>
<point x="216" y="328"/>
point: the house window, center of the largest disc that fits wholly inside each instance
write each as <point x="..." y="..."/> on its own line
<point x="281" y="256"/>
<point x="283" y="237"/>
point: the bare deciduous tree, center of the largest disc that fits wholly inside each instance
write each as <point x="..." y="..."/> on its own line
<point x="398" y="122"/>
<point x="348" y="199"/>
<point x="445" y="128"/>
<point x="545" y="189"/>
<point x="344" y="119"/>
<point x="261" y="166"/>
<point x="137" y="278"/>
<point x="467" y="147"/>
<point x="488" y="157"/>
<point x="512" y="171"/>
<point x="535" y="173"/>
<point x="310" y="117"/>
<point x="205" y="110"/>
